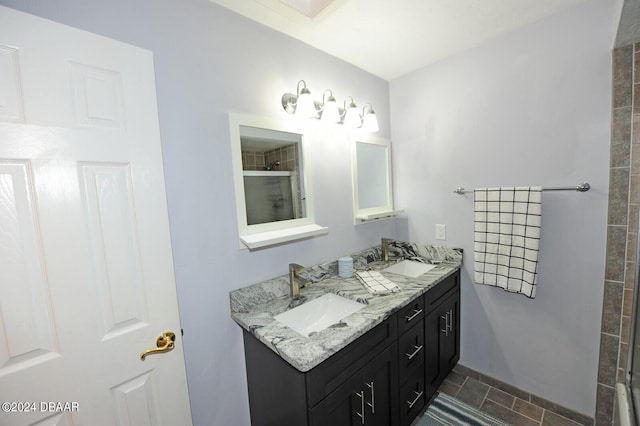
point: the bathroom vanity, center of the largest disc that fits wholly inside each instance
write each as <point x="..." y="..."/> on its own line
<point x="378" y="366"/>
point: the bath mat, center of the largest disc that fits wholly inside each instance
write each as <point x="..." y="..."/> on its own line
<point x="446" y="411"/>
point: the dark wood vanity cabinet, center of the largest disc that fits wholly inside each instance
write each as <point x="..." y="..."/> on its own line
<point x="385" y="377"/>
<point x="356" y="386"/>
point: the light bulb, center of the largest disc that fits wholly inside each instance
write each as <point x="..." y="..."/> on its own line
<point x="351" y="116"/>
<point x="330" y="113"/>
<point x="370" y="122"/>
<point x="305" y="108"/>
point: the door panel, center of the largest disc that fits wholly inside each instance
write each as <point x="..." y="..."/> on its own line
<point x="110" y="210"/>
<point x="97" y="97"/>
<point x="140" y="391"/>
<point x="86" y="271"/>
<point x="27" y="325"/>
<point x="10" y="87"/>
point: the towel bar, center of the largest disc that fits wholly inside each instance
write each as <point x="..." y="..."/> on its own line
<point x="583" y="187"/>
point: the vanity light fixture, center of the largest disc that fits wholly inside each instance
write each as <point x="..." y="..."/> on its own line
<point x="302" y="105"/>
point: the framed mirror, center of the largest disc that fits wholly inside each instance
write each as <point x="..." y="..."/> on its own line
<point x="372" y="180"/>
<point x="274" y="198"/>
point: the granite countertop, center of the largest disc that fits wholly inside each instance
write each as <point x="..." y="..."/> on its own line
<point x="254" y="307"/>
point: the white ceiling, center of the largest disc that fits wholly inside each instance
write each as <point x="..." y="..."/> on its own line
<point x="390" y="38"/>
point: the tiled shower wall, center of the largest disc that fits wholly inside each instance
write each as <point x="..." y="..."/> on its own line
<point x="287" y="156"/>
<point x="622" y="229"/>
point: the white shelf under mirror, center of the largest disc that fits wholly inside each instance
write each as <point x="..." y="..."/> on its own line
<point x="265" y="239"/>
<point x="370" y="217"/>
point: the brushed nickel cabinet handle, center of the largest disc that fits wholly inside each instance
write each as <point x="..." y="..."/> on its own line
<point x="417" y="349"/>
<point x="412" y="403"/>
<point x="445" y="317"/>
<point x="416" y="312"/>
<point x="361" y="414"/>
<point x="373" y="398"/>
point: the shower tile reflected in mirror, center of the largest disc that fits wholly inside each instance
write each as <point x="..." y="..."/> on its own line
<point x="271" y="179"/>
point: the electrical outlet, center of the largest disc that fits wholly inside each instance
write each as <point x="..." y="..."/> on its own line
<point x="441" y="232"/>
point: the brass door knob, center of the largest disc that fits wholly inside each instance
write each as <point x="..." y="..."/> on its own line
<point x="165" y="342"/>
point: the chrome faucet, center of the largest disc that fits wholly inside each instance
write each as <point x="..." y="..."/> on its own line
<point x="295" y="281"/>
<point x="385" y="248"/>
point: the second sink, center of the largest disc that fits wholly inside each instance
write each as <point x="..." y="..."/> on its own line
<point x="318" y="314"/>
<point x="409" y="268"/>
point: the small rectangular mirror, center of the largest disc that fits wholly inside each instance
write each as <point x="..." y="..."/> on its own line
<point x="274" y="202"/>
<point x="272" y="170"/>
<point x="372" y="184"/>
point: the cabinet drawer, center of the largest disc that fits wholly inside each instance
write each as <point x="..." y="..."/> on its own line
<point x="436" y="295"/>
<point x="412" y="398"/>
<point x="410" y="315"/>
<point x="327" y="376"/>
<point x="411" y="351"/>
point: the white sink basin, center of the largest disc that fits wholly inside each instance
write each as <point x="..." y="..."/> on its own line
<point x="318" y="314"/>
<point x="409" y="268"/>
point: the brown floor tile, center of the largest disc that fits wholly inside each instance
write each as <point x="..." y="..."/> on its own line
<point x="449" y="388"/>
<point x="551" y="419"/>
<point x="506" y="415"/>
<point x="562" y="411"/>
<point x="457" y="378"/>
<point x="528" y="409"/>
<point x="512" y="390"/>
<point x="465" y="371"/>
<point x="473" y="393"/>
<point x="500" y="397"/>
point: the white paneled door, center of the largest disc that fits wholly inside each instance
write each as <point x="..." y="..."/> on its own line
<point x="86" y="271"/>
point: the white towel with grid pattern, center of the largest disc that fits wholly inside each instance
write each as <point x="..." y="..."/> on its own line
<point x="507" y="237"/>
<point x="375" y="283"/>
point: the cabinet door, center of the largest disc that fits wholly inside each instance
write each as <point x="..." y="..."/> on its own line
<point x="433" y="324"/>
<point x="442" y="342"/>
<point x="342" y="407"/>
<point x="450" y="346"/>
<point x="381" y="389"/>
<point x="366" y="398"/>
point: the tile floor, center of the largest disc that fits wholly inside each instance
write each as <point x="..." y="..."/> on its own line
<point x="506" y="402"/>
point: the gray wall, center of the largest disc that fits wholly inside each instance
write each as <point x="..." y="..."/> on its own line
<point x="209" y="61"/>
<point x="530" y="108"/>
